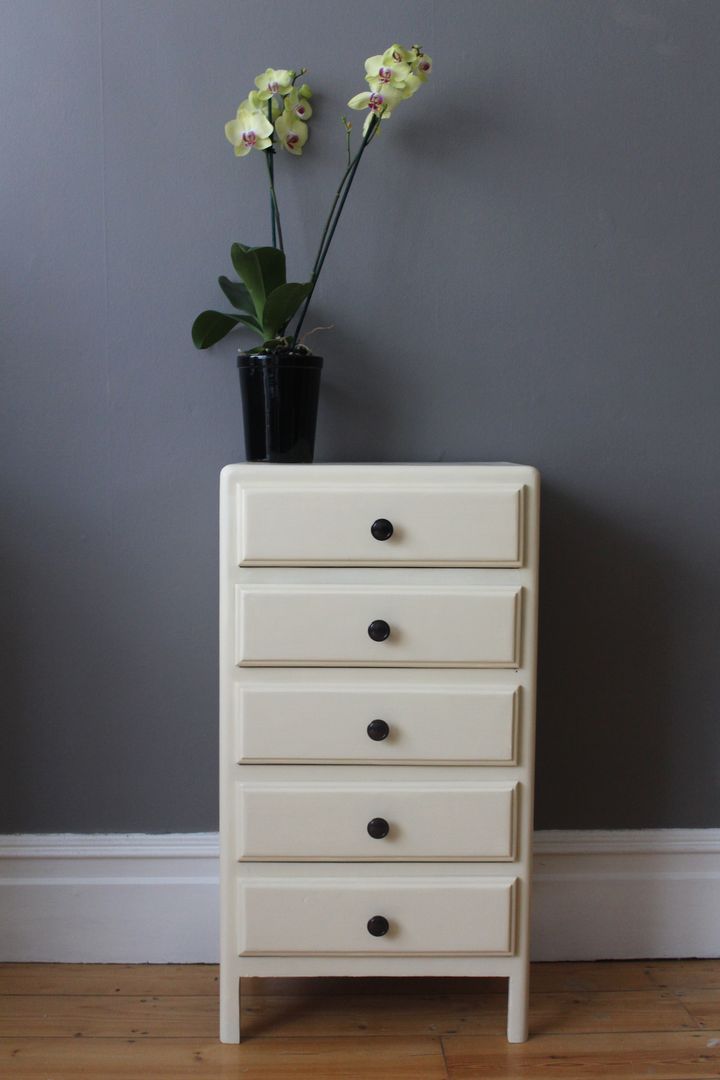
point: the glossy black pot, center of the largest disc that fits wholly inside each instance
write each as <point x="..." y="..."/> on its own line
<point x="279" y="401"/>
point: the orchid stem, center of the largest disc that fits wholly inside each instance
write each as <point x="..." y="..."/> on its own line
<point x="333" y="218"/>
<point x="276" y="227"/>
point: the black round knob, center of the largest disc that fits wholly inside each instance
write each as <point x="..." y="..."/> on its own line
<point x="382" y="529"/>
<point x="379" y="630"/>
<point x="378" y="828"/>
<point x="378" y="730"/>
<point x="378" y="925"/>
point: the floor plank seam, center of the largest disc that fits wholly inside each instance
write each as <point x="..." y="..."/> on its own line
<point x="444" y="1057"/>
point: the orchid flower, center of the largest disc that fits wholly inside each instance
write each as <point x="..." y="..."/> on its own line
<point x="380" y="104"/>
<point x="378" y="101"/>
<point x="250" y="130"/>
<point x="256" y="101"/>
<point x="383" y="74"/>
<point x="274" y="81"/>
<point x="292" y="132"/>
<point x="422" y="66"/>
<point x="297" y="103"/>
<point x="396" y="54"/>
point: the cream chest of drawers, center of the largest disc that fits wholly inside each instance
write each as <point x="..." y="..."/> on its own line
<point x="377" y="704"/>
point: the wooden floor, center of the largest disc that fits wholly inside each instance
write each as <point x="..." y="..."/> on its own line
<point x="658" y="1019"/>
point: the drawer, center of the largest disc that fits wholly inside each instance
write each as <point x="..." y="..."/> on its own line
<point x="474" y="916"/>
<point x="328" y="625"/>
<point x="426" y="822"/>
<point x="375" y="724"/>
<point x="311" y="525"/>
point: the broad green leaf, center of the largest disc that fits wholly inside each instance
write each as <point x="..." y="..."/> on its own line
<point x="272" y="267"/>
<point x="211" y="326"/>
<point x="248" y="269"/>
<point x="237" y="294"/>
<point x="262" y="269"/>
<point x="281" y="305"/>
<point x="251" y="322"/>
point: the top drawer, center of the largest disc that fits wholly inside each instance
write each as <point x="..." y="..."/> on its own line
<point x="306" y="524"/>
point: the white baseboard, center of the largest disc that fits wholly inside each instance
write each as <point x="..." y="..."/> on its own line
<point x="139" y="899"/>
<point x="109" y="898"/>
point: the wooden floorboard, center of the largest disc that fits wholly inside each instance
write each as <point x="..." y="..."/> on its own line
<point x="621" y="1020"/>
<point x="205" y="1059"/>
<point x="142" y="979"/>
<point x="684" y="974"/>
<point x="627" y="1056"/>
<point x="702" y="1005"/>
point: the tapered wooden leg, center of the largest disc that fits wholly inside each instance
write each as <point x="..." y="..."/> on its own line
<point x="518" y="1002"/>
<point x="229" y="1007"/>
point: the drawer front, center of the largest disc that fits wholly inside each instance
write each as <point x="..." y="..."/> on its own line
<point x="472" y="916"/>
<point x="463" y="525"/>
<point x="306" y="723"/>
<point x="425" y="822"/>
<point x="326" y="625"/>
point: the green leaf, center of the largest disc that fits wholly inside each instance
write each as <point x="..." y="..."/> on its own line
<point x="237" y="294"/>
<point x="281" y="305"/>
<point x="211" y="326"/>
<point x="251" y="322"/>
<point x="247" y="268"/>
<point x="262" y="269"/>
<point x="272" y="266"/>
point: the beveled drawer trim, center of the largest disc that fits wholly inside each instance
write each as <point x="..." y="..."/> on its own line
<point x="429" y="723"/>
<point x="326" y="822"/>
<point x="306" y="524"/>
<point x="293" y="625"/>
<point x="315" y="916"/>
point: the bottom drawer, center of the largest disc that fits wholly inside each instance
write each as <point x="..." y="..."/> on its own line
<point x="422" y="916"/>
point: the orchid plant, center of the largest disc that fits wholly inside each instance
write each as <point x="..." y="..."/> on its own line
<point x="276" y="114"/>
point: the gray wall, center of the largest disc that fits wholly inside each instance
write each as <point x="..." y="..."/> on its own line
<point x="528" y="270"/>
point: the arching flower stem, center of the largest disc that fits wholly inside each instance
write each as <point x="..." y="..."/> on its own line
<point x="277" y="236"/>
<point x="334" y="216"/>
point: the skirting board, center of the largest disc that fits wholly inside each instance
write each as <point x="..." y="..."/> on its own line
<point x="134" y="899"/>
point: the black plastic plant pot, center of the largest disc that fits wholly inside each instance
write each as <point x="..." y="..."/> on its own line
<point x="279" y="400"/>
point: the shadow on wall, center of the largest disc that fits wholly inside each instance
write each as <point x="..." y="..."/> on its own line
<point x="605" y="708"/>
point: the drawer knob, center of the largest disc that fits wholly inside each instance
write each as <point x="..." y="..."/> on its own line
<point x="378" y="730"/>
<point x="378" y="925"/>
<point x="382" y="529"/>
<point x="379" y="630"/>
<point x="378" y="828"/>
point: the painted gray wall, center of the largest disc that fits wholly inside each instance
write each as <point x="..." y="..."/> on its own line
<point x="528" y="269"/>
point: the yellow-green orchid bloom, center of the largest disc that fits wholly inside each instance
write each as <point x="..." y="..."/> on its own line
<point x="422" y="66"/>
<point x="382" y="75"/>
<point x="298" y="105"/>
<point x="250" y="130"/>
<point x="274" y="81"/>
<point x="381" y="102"/>
<point x="412" y="85"/>
<point x="292" y="132"/>
<point x="396" y="54"/>
<point x="255" y="101"/>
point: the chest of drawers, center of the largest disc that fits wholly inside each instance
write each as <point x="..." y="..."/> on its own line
<point x="377" y="704"/>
